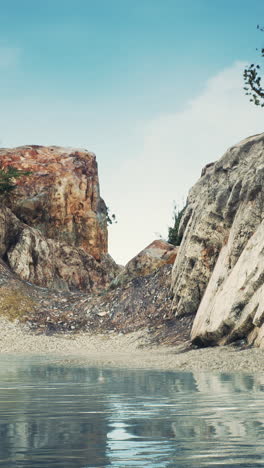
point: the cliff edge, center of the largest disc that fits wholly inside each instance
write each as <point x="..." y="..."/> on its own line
<point x="218" y="275"/>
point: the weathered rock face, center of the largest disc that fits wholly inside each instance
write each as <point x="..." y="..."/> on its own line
<point x="222" y="248"/>
<point x="55" y="232"/>
<point x="155" y="255"/>
<point x="61" y="197"/>
<point x="50" y="263"/>
<point x="233" y="304"/>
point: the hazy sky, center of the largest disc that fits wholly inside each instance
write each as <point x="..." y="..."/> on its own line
<point x="153" y="87"/>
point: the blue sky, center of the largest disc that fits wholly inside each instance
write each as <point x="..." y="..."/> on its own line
<point x="153" y="87"/>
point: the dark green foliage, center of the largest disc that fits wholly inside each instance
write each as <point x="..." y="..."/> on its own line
<point x="252" y="81"/>
<point x="8" y="176"/>
<point x="110" y="217"/>
<point x="173" y="232"/>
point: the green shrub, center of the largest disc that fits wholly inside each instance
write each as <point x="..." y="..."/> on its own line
<point x="8" y="175"/>
<point x="173" y="232"/>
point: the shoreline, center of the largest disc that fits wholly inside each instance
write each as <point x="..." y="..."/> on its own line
<point x="129" y="351"/>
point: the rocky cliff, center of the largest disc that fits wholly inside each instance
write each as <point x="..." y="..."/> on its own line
<point x="53" y="234"/>
<point x="55" y="273"/>
<point x="61" y="198"/>
<point x="53" y="227"/>
<point x="218" y="274"/>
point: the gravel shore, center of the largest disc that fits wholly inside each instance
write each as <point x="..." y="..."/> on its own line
<point x="129" y="351"/>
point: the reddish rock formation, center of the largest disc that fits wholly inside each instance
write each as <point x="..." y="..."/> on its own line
<point x="53" y="227"/>
<point x="154" y="256"/>
<point x="53" y="234"/>
<point x="61" y="198"/>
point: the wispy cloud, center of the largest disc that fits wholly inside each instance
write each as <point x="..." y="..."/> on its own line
<point x="9" y="57"/>
<point x="176" y="147"/>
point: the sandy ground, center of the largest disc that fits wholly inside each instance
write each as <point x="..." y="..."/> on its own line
<point x="128" y="351"/>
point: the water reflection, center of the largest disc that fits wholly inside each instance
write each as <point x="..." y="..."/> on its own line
<point x="66" y="415"/>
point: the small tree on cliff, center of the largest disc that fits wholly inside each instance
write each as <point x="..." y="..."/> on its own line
<point x="252" y="79"/>
<point x="110" y="217"/>
<point x="8" y="176"/>
<point x="173" y="232"/>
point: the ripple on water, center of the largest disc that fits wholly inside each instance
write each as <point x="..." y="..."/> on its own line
<point x="54" y="414"/>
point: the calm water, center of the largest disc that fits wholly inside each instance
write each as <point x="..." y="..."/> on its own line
<point x="54" y="414"/>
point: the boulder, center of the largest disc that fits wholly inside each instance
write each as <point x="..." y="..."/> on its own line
<point x="155" y="255"/>
<point x="221" y="225"/>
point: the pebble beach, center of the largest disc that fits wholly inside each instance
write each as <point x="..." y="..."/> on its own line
<point x="128" y="351"/>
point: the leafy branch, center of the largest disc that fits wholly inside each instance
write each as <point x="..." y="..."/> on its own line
<point x="252" y="79"/>
<point x="110" y="217"/>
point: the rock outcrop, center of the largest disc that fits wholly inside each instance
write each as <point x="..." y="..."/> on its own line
<point x="61" y="198"/>
<point x="219" y="270"/>
<point x="53" y="234"/>
<point x="154" y="256"/>
<point x="53" y="251"/>
<point x="53" y="227"/>
<point x="233" y="304"/>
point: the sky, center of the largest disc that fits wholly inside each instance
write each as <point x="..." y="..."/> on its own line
<point x="153" y="87"/>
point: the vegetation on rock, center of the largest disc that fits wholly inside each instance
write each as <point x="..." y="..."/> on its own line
<point x="173" y="232"/>
<point x="110" y="217"/>
<point x="8" y="176"/>
<point x="14" y="304"/>
<point x="252" y="81"/>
